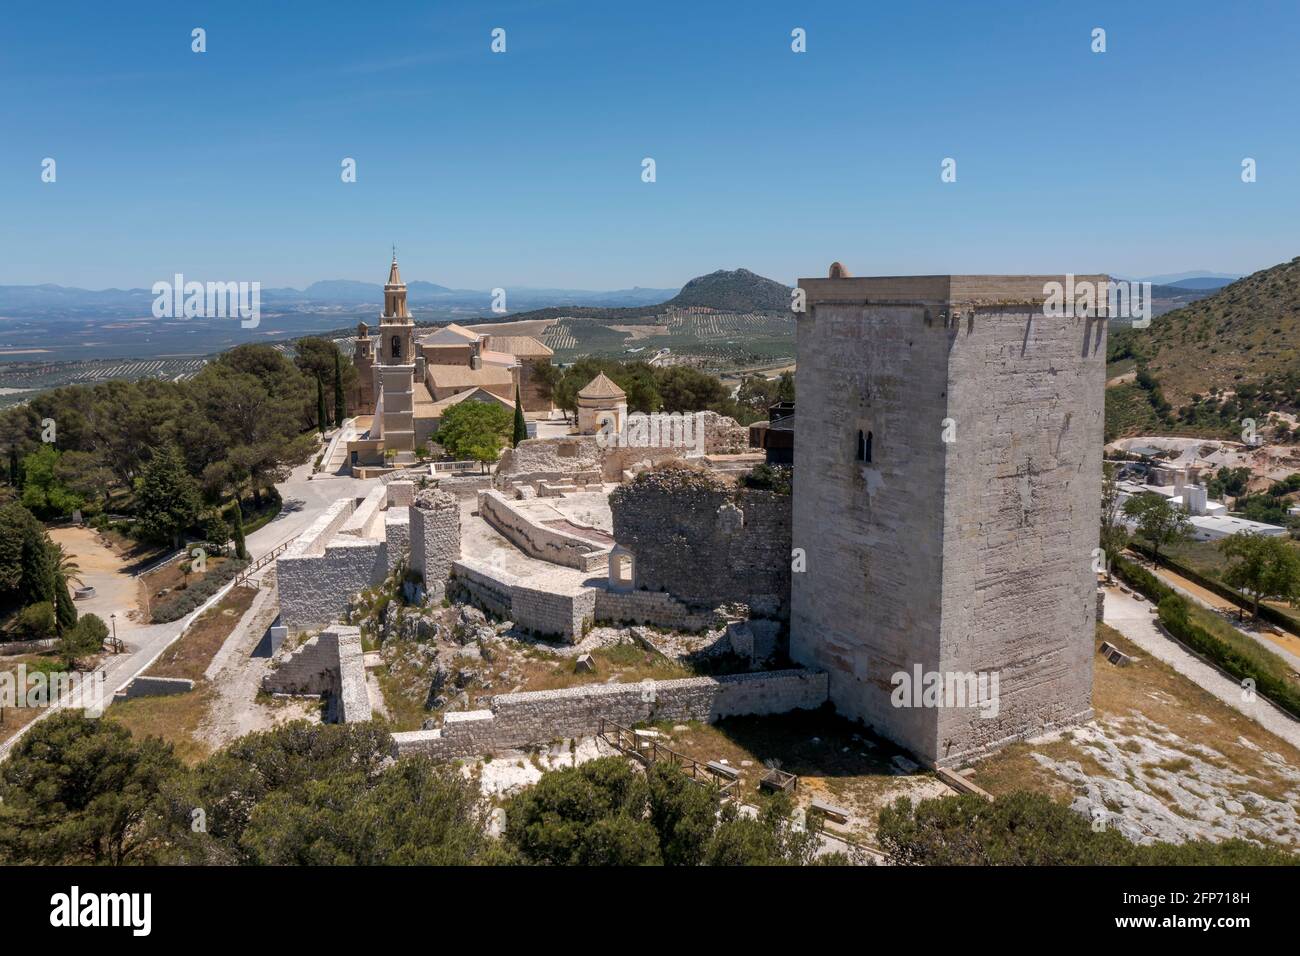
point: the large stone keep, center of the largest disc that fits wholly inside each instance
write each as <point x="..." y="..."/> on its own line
<point x="947" y="483"/>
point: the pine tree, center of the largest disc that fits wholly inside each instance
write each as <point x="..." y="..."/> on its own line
<point x="241" y="550"/>
<point x="340" y="410"/>
<point x="322" y="419"/>
<point x="521" y="427"/>
<point x="168" y="499"/>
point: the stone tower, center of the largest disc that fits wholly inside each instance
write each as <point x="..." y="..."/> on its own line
<point x="947" y="484"/>
<point x="394" y="372"/>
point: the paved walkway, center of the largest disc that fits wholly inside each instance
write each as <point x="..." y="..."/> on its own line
<point x="1285" y="646"/>
<point x="304" y="500"/>
<point x="1135" y="620"/>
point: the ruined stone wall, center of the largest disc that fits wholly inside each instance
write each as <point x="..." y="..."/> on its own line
<point x="332" y="664"/>
<point x="538" y="717"/>
<point x="312" y="668"/>
<point x="705" y="541"/>
<point x="536" y="539"/>
<point x="558" y="613"/>
<point x="315" y="589"/>
<point x="964" y="544"/>
<point x="652" y="607"/>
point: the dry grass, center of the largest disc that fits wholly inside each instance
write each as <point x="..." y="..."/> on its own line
<point x="836" y="761"/>
<point x="14" y="719"/>
<point x="1154" y="689"/>
<point x="621" y="664"/>
<point x="190" y="656"/>
<point x="175" y="718"/>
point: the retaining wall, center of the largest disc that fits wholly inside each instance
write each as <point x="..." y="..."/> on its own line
<point x="538" y="717"/>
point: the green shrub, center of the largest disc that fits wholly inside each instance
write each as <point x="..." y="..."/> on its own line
<point x="36" y="622"/>
<point x="180" y="603"/>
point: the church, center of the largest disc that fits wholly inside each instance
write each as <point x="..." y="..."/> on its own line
<point x="406" y="384"/>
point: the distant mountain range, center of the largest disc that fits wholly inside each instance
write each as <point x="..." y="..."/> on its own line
<point x="51" y="300"/>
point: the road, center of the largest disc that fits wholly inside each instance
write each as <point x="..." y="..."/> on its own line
<point x="1135" y="620"/>
<point x="304" y="501"/>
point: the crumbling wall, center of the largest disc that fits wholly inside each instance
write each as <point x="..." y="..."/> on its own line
<point x="652" y="607"/>
<point x="706" y="541"/>
<point x="537" y="717"/>
<point x="329" y="664"/>
<point x="559" y="613"/>
<point x="536" y="539"/>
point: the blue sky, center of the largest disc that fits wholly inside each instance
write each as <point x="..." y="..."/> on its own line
<point x="524" y="168"/>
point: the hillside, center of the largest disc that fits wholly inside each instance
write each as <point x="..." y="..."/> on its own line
<point x="736" y="291"/>
<point x="1246" y="333"/>
<point x="1205" y="366"/>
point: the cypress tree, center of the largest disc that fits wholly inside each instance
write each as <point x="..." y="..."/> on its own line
<point x="340" y="412"/>
<point x="321" y="418"/>
<point x="241" y="551"/>
<point x="65" y="612"/>
<point x="15" y="478"/>
<point x="521" y="427"/>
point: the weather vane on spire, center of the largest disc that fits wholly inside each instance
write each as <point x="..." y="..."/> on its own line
<point x="394" y="252"/>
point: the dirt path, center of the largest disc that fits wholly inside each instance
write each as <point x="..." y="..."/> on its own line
<point x="236" y="678"/>
<point x="116" y="591"/>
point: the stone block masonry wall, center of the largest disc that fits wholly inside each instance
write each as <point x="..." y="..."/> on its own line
<point x="564" y="613"/>
<point x="538" y="717"/>
<point x="434" y="537"/>
<point x="312" y="668"/>
<point x="537" y="540"/>
<point x="315" y="589"/>
<point x="353" y="695"/>
<point x="331" y="663"/>
<point x="397" y="535"/>
<point x="705" y="541"/>
<point x="961" y="544"/>
<point x="652" y="607"/>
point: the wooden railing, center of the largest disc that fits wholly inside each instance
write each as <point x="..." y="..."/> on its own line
<point x="649" y="752"/>
<point x="261" y="562"/>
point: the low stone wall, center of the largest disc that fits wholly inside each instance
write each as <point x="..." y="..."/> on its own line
<point x="652" y="607"/>
<point x="353" y="701"/>
<point x="537" y="540"/>
<point x="156" y="687"/>
<point x="397" y="535"/>
<point x="541" y="611"/>
<point x="538" y="717"/>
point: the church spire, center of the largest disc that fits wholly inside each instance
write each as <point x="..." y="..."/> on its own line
<point x="395" y="293"/>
